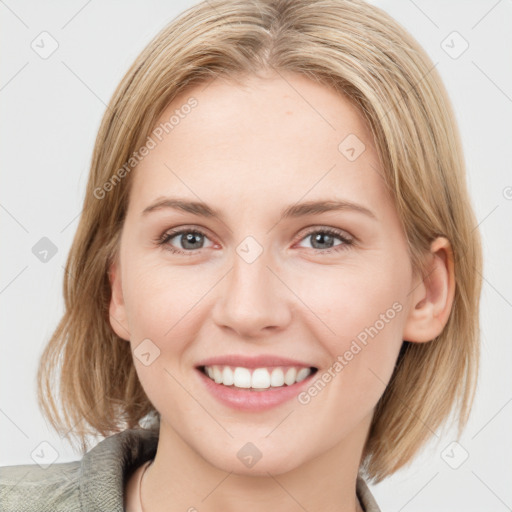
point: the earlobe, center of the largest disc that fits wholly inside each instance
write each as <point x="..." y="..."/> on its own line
<point x="432" y="298"/>
<point x="117" y="309"/>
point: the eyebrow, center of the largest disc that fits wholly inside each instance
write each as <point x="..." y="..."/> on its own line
<point x="292" y="211"/>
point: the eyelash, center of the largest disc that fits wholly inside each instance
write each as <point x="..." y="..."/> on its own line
<point x="162" y="240"/>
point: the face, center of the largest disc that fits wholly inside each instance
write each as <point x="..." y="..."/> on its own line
<point x="239" y="279"/>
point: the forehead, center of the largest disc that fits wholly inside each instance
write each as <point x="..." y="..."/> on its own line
<point x="264" y="141"/>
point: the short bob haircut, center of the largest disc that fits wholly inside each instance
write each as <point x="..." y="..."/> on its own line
<point x="366" y="56"/>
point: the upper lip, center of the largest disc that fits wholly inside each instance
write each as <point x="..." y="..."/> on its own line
<point x="260" y="361"/>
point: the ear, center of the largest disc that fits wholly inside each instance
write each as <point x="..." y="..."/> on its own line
<point x="432" y="296"/>
<point x="117" y="309"/>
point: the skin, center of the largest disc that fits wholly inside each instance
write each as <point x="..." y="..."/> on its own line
<point x="249" y="151"/>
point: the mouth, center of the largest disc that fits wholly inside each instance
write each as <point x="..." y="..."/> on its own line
<point x="256" y="379"/>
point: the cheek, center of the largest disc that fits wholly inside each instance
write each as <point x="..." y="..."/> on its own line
<point x="362" y="313"/>
<point x="160" y="308"/>
<point x="160" y="300"/>
<point x="362" y="317"/>
<point x="349" y="299"/>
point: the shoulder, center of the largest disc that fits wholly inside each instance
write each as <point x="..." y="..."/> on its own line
<point x="96" y="482"/>
<point x="31" y="488"/>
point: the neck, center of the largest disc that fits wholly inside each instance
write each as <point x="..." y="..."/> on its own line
<point x="180" y="479"/>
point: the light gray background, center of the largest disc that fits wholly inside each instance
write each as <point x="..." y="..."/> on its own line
<point x="51" y="110"/>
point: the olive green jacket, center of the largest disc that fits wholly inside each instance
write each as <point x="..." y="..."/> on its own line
<point x="97" y="482"/>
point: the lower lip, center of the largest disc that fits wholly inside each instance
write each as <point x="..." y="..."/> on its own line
<point x="247" y="400"/>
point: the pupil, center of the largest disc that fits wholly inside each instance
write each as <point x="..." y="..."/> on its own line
<point x="320" y="237"/>
<point x="189" y="238"/>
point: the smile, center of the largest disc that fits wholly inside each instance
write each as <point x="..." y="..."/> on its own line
<point x="254" y="389"/>
<point x="256" y="378"/>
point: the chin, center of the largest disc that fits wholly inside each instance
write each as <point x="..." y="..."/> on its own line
<point x="276" y="463"/>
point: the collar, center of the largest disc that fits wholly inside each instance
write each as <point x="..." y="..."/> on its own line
<point x="105" y="469"/>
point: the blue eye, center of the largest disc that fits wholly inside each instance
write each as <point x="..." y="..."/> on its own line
<point x="327" y="236"/>
<point x="192" y="240"/>
<point x="189" y="239"/>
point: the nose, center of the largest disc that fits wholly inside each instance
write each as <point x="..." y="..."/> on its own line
<point x="253" y="300"/>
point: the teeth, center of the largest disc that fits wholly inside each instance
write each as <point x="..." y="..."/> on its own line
<point x="290" y="375"/>
<point x="227" y="376"/>
<point x="217" y="375"/>
<point x="302" y="374"/>
<point x="241" y="378"/>
<point x="260" y="378"/>
<point x="277" y="378"/>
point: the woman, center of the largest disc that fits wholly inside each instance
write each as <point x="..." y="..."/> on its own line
<point x="275" y="261"/>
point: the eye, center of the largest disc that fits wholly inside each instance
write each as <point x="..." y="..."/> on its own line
<point x="189" y="239"/>
<point x="323" y="239"/>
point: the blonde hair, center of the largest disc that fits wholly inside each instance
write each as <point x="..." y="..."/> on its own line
<point x="360" y="51"/>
